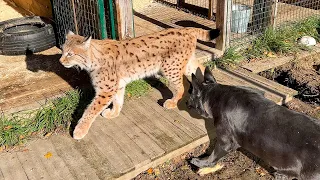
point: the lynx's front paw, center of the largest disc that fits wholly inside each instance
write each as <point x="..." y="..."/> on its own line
<point x="80" y="131"/>
<point x="109" y="113"/>
<point x="169" y="104"/>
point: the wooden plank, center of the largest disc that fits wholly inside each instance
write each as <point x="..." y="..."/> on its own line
<point x="1" y="175"/>
<point x="54" y="165"/>
<point x="276" y="88"/>
<point x="171" y="125"/>
<point x="77" y="165"/>
<point x="96" y="158"/>
<point x="157" y="134"/>
<point x="197" y="128"/>
<point x="126" y="145"/>
<point x="170" y="133"/>
<point x="224" y="77"/>
<point x="32" y="165"/>
<point x="165" y="158"/>
<point x="269" y="63"/>
<point x="110" y="149"/>
<point x="147" y="145"/>
<point x="11" y="167"/>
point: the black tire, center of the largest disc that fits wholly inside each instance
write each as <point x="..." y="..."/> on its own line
<point x="28" y="34"/>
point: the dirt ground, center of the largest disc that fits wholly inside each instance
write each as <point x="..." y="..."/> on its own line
<point x="302" y="75"/>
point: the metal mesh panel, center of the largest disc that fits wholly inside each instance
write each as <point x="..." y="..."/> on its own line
<point x="294" y="10"/>
<point x="87" y="18"/>
<point x="248" y="19"/>
<point x="257" y="15"/>
<point x="63" y="17"/>
<point x="78" y="15"/>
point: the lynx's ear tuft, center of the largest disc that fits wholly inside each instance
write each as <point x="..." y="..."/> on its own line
<point x="87" y="42"/>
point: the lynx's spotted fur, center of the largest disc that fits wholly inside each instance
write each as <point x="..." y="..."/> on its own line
<point x="113" y="64"/>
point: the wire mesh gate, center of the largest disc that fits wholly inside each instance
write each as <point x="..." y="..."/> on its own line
<point x="84" y="17"/>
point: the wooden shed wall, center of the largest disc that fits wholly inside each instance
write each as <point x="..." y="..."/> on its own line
<point x="36" y="7"/>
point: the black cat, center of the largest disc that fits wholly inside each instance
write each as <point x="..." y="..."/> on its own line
<point x="243" y="117"/>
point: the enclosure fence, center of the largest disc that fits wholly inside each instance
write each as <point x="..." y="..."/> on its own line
<point x="244" y="20"/>
<point x="84" y="17"/>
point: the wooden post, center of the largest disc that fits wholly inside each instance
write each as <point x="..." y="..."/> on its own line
<point x="125" y="19"/>
<point x="210" y="12"/>
<point x="223" y="22"/>
<point x="274" y="14"/>
<point x="74" y="17"/>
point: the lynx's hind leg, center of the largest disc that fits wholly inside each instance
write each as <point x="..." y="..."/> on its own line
<point x="173" y="70"/>
<point x="192" y="66"/>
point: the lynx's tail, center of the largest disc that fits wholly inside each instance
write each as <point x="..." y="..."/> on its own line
<point x="206" y="35"/>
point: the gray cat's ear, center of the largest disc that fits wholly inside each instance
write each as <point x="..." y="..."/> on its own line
<point x="195" y="82"/>
<point x="208" y="77"/>
<point x="87" y="42"/>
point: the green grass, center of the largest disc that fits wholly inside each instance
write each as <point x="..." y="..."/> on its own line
<point x="16" y="128"/>
<point x="230" y="57"/>
<point x="137" y="88"/>
<point x="283" y="40"/>
<point x="280" y="41"/>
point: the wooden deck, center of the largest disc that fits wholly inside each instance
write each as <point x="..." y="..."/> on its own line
<point x="145" y="134"/>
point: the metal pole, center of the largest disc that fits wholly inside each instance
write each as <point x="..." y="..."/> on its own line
<point x="102" y="19"/>
<point x="112" y="24"/>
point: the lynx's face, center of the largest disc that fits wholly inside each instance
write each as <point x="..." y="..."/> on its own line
<point x="75" y="51"/>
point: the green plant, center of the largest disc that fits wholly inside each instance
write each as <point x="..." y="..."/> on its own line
<point x="137" y="88"/>
<point x="230" y="57"/>
<point x="283" y="40"/>
<point x="18" y="127"/>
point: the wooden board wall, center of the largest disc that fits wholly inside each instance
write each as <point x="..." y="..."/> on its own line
<point x="36" y="7"/>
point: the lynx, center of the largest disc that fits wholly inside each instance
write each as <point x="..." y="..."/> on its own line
<point x="112" y="64"/>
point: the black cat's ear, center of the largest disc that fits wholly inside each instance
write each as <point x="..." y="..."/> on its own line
<point x="208" y="77"/>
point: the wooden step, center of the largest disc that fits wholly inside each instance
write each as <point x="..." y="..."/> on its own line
<point x="269" y="63"/>
<point x="273" y="91"/>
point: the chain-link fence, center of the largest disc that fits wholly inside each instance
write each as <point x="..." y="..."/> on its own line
<point x="247" y="19"/>
<point x="84" y="17"/>
<point x="250" y="18"/>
